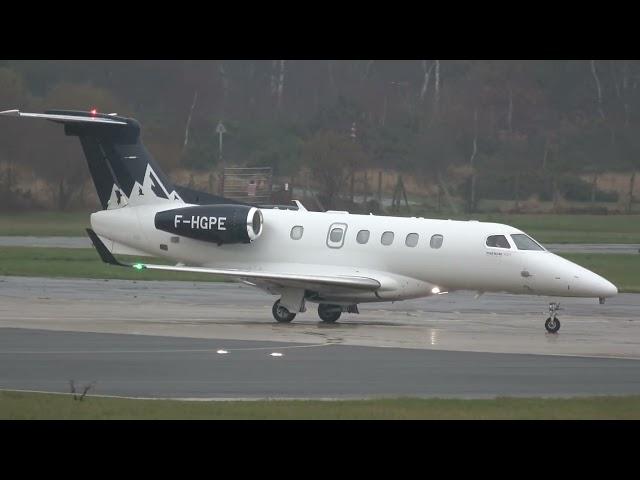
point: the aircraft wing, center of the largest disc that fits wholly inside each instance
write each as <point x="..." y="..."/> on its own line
<point x="282" y="279"/>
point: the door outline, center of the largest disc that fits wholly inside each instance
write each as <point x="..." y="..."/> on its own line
<point x="331" y="244"/>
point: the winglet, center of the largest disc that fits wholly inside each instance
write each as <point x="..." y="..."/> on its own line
<point x="103" y="251"/>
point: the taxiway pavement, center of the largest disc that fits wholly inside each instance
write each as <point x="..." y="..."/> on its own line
<point x="167" y="367"/>
<point x="150" y="338"/>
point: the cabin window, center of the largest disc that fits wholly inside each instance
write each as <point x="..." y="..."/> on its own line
<point x="412" y="240"/>
<point x="296" y="232"/>
<point x="436" y="241"/>
<point x="363" y="236"/>
<point x="387" y="238"/>
<point x="335" y="237"/>
<point x="525" y="242"/>
<point x="498" y="241"/>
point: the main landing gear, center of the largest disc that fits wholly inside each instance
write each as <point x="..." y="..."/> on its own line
<point x="329" y="313"/>
<point x="553" y="324"/>
<point x="281" y="314"/>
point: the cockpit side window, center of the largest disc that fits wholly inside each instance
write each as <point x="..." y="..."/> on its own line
<point x="498" y="241"/>
<point x="525" y="242"/>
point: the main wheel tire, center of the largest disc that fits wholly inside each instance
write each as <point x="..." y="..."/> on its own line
<point x="329" y="313"/>
<point x="281" y="314"/>
<point x="552" y="325"/>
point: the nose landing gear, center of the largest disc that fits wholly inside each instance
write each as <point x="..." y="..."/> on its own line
<point x="553" y="324"/>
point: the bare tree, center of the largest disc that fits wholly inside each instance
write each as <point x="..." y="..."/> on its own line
<point x="332" y="83"/>
<point x="472" y="187"/>
<point x="186" y="130"/>
<point x="632" y="182"/>
<point x="367" y="70"/>
<point x="281" y="84"/>
<point x="274" y="81"/>
<point x="85" y="389"/>
<point x="437" y="88"/>
<point x="545" y="156"/>
<point x="332" y="159"/>
<point x="625" y="85"/>
<point x="225" y="83"/>
<point x="510" y="110"/>
<point x="425" y="82"/>
<point x="598" y="88"/>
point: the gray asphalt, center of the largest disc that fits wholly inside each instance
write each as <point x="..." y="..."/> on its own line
<point x="167" y="367"/>
<point x="51" y="242"/>
<point x="84" y="242"/>
<point x="493" y="323"/>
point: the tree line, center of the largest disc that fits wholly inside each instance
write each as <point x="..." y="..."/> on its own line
<point x="477" y="129"/>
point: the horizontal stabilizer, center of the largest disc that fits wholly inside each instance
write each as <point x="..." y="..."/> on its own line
<point x="68" y="117"/>
<point x="123" y="171"/>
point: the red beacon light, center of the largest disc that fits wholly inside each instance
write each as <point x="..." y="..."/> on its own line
<point x="94" y="111"/>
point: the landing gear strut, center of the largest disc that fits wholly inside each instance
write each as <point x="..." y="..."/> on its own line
<point x="553" y="324"/>
<point x="281" y="314"/>
<point x="329" y="313"/>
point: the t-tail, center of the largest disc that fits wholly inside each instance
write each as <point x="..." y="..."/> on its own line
<point x="123" y="171"/>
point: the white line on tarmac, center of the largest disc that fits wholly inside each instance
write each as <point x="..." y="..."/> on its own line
<point x="211" y="350"/>
<point x="194" y="350"/>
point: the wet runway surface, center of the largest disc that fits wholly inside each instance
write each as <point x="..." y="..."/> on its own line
<point x="167" y="367"/>
<point x="147" y="338"/>
<point x="497" y="323"/>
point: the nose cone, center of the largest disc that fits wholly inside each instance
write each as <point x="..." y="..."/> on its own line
<point x="605" y="287"/>
<point x="589" y="284"/>
<point x="577" y="281"/>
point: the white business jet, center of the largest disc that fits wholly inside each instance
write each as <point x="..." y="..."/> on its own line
<point x="335" y="259"/>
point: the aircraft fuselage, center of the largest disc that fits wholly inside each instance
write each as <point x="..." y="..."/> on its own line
<point x="412" y="257"/>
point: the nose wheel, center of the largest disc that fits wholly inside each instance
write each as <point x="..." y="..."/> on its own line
<point x="553" y="324"/>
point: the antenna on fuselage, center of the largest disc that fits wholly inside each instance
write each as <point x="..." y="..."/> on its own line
<point x="300" y="206"/>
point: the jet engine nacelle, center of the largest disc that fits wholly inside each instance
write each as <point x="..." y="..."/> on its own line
<point x="213" y="223"/>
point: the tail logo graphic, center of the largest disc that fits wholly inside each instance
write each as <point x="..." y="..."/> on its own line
<point x="117" y="199"/>
<point x="151" y="190"/>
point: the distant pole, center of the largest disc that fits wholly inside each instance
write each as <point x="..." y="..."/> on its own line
<point x="221" y="131"/>
<point x="353" y="168"/>
<point x="366" y="186"/>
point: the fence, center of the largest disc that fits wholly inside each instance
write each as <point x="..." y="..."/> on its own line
<point x="248" y="184"/>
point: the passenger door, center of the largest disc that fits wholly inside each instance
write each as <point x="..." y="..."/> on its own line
<point x="336" y="234"/>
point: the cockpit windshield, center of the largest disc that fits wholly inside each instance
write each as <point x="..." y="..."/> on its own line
<point x="497" y="241"/>
<point x="524" y="242"/>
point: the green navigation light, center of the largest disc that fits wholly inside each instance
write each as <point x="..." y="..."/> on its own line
<point x="138" y="266"/>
